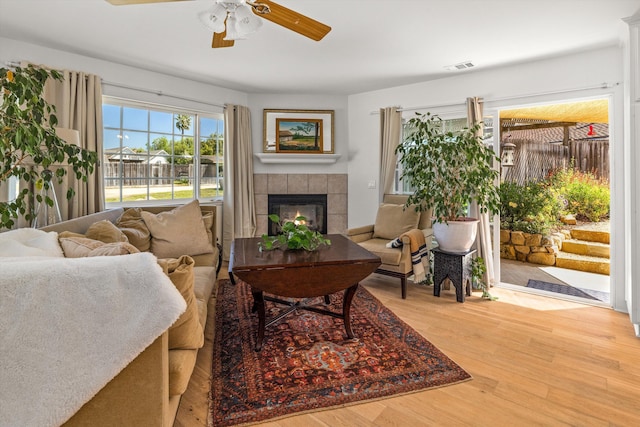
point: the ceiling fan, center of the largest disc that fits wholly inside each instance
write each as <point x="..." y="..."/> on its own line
<point x="233" y="19"/>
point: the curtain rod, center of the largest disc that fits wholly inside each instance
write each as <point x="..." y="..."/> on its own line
<point x="604" y="85"/>
<point x="160" y="93"/>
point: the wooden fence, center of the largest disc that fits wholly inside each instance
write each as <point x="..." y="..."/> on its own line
<point x="534" y="160"/>
<point x="133" y="174"/>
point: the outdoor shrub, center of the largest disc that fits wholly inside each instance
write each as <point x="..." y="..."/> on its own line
<point x="530" y="208"/>
<point x="583" y="194"/>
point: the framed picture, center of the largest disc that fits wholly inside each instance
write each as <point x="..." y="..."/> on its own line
<point x="298" y="131"/>
<point x="298" y="135"/>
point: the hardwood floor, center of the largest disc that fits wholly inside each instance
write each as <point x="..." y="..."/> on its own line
<point x="534" y="361"/>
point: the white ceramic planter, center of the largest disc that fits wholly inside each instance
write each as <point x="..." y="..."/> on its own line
<point x="456" y="236"/>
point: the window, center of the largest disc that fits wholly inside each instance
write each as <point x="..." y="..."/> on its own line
<point x="157" y="153"/>
<point x="449" y="125"/>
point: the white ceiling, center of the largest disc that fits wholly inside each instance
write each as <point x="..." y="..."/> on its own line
<point x="373" y="44"/>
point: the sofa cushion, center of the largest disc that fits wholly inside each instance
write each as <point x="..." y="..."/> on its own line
<point x="389" y="256"/>
<point x="206" y="259"/>
<point x="181" y="364"/>
<point x="105" y="231"/>
<point x="186" y="332"/>
<point x="207" y="218"/>
<point x="178" y="232"/>
<point x="79" y="247"/>
<point x="134" y="227"/>
<point x="204" y="284"/>
<point x="393" y="220"/>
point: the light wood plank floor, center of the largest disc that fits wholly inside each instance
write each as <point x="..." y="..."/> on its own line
<point x="534" y="360"/>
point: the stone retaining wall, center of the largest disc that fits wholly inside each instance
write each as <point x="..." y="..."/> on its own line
<point x="533" y="248"/>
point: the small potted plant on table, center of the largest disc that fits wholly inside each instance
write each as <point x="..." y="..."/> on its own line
<point x="293" y="235"/>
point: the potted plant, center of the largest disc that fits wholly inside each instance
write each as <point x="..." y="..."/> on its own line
<point x="29" y="146"/>
<point x="293" y="235"/>
<point x="447" y="170"/>
<point x="478" y="269"/>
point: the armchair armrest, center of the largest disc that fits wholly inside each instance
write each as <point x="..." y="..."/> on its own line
<point x="360" y="234"/>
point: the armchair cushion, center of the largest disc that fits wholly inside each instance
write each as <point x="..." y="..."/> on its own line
<point x="393" y="220"/>
<point x="388" y="256"/>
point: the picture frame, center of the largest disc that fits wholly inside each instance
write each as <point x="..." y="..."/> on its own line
<point x="312" y="131"/>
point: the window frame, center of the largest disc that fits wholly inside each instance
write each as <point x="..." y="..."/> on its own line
<point x="197" y="116"/>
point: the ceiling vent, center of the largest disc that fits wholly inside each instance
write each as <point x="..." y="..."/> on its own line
<point x="460" y="66"/>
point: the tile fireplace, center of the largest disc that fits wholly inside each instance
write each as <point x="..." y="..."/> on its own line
<point x="331" y="188"/>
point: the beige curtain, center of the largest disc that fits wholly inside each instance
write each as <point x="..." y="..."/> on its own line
<point x="483" y="242"/>
<point x="78" y="102"/>
<point x="239" y="211"/>
<point x="390" y="133"/>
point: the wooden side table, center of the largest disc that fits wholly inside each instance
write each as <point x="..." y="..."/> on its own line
<point x="457" y="267"/>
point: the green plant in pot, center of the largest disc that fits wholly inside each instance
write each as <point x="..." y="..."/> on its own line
<point x="477" y="273"/>
<point x="293" y="235"/>
<point x="30" y="149"/>
<point x="447" y="170"/>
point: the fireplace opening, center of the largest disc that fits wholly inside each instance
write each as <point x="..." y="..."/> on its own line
<point x="289" y="206"/>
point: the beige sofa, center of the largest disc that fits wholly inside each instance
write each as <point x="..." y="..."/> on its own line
<point x="147" y="392"/>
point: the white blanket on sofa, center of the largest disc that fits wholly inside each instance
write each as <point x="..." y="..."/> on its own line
<point x="68" y="326"/>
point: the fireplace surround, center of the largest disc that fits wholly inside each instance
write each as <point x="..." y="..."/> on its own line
<point x="333" y="186"/>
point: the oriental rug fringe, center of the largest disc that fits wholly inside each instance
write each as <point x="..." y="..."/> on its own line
<point x="308" y="364"/>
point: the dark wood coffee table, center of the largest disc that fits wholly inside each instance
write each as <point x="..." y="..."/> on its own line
<point x="301" y="274"/>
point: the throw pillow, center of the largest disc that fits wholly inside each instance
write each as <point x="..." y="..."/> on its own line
<point x="80" y="247"/>
<point x="133" y="226"/>
<point x="106" y="232"/>
<point x="186" y="332"/>
<point x="178" y="232"/>
<point x="393" y="220"/>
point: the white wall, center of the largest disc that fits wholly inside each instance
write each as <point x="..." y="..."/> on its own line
<point x="259" y="102"/>
<point x="578" y="76"/>
<point x="551" y="77"/>
<point x="111" y="72"/>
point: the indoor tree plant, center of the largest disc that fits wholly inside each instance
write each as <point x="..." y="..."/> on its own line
<point x="29" y="146"/>
<point x="446" y="171"/>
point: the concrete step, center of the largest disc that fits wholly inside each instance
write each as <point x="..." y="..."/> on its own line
<point x="586" y="263"/>
<point x="581" y="247"/>
<point x="591" y="235"/>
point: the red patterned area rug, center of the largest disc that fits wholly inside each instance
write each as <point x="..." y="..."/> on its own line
<point x="307" y="363"/>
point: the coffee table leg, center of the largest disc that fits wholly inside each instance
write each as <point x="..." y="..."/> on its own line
<point x="346" y="309"/>
<point x="258" y="302"/>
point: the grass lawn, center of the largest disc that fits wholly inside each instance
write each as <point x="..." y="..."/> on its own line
<point x="166" y="195"/>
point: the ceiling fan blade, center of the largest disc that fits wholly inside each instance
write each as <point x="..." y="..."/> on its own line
<point x="293" y="20"/>
<point x="219" y="41"/>
<point x="126" y="2"/>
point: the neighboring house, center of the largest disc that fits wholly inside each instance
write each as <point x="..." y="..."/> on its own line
<point x="127" y="155"/>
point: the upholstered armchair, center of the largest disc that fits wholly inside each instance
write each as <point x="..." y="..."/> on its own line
<point x="392" y="220"/>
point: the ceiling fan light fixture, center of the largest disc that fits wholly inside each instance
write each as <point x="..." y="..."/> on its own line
<point x="246" y="21"/>
<point x="214" y="18"/>
<point x="233" y="32"/>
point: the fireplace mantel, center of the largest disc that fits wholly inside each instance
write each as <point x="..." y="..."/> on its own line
<point x="297" y="158"/>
